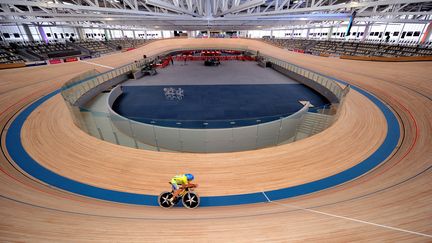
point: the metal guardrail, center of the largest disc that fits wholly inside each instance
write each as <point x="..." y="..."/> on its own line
<point x="74" y="89"/>
<point x="327" y="82"/>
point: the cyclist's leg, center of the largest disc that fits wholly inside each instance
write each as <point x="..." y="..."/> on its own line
<point x="176" y="190"/>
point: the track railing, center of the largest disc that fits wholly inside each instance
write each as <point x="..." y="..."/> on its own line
<point x="105" y="124"/>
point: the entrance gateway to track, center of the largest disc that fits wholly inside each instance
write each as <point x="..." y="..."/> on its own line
<point x="174" y="135"/>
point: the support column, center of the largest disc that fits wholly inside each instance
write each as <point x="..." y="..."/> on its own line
<point x="107" y="34"/>
<point x="330" y="33"/>
<point x="42" y="34"/>
<point x="400" y="34"/>
<point x="366" y="32"/>
<point x="384" y="32"/>
<point x="427" y="33"/>
<point x="28" y="32"/>
<point x="81" y="33"/>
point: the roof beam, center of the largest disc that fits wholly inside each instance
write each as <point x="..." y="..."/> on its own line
<point x="80" y="7"/>
<point x="171" y="7"/>
<point x="241" y="7"/>
<point x="351" y="5"/>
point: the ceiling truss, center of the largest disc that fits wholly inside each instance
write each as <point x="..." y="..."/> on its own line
<point x="211" y="14"/>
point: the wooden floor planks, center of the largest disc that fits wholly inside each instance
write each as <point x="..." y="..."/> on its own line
<point x="397" y="194"/>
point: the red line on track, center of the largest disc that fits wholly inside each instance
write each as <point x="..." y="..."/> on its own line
<point x="337" y="188"/>
<point x="417" y="132"/>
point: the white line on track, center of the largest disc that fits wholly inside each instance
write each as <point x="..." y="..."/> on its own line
<point x="346" y="218"/>
<point x="97" y="64"/>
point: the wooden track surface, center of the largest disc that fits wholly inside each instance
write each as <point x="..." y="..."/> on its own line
<point x="397" y="194"/>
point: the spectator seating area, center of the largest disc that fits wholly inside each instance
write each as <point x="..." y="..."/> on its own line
<point x="349" y="48"/>
<point x="8" y="55"/>
<point x="96" y="47"/>
<point x="48" y="50"/>
<point x="291" y="44"/>
<point x="122" y="44"/>
<point x="33" y="51"/>
<point x="36" y="50"/>
<point x="16" y="52"/>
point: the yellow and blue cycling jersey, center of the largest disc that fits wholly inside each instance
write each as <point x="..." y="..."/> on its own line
<point x="178" y="180"/>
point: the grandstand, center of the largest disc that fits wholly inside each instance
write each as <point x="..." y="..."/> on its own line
<point x="351" y="48"/>
<point x="301" y="120"/>
<point x="8" y="55"/>
<point x="123" y="44"/>
<point x="95" y="47"/>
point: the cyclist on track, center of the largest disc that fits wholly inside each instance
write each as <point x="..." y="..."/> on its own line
<point x="183" y="181"/>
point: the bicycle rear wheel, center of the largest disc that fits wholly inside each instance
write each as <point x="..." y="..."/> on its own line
<point x="164" y="198"/>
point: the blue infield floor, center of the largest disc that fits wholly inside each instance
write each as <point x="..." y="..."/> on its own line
<point x="213" y="106"/>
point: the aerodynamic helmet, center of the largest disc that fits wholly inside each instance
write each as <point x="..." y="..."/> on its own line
<point x="190" y="177"/>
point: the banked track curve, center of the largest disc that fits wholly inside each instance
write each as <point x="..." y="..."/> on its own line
<point x="381" y="197"/>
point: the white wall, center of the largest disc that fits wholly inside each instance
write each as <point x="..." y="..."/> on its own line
<point x="128" y="34"/>
<point x="94" y="33"/>
<point x="59" y="33"/>
<point x="153" y="34"/>
<point x="258" y="33"/>
<point x="168" y="34"/>
<point x="12" y="33"/>
<point x="280" y="33"/>
<point x="377" y="32"/>
<point x="140" y="34"/>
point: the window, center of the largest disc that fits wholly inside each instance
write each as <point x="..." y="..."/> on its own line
<point x="354" y="33"/>
<point x="409" y="33"/>
<point x="72" y="34"/>
<point x="417" y="33"/>
<point x="396" y="33"/>
<point x="48" y="34"/>
<point x="387" y="33"/>
<point x="6" y="35"/>
<point x="362" y="33"/>
<point x="62" y="36"/>
<point x="67" y="34"/>
<point x="16" y="35"/>
<point x="376" y="33"/>
<point x="403" y="35"/>
<point x="55" y="35"/>
<point x="372" y="33"/>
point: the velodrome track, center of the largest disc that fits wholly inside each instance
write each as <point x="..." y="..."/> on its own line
<point x="393" y="202"/>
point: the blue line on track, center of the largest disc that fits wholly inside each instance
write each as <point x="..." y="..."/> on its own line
<point x="30" y="166"/>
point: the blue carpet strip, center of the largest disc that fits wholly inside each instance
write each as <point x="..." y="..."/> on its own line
<point x="29" y="165"/>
